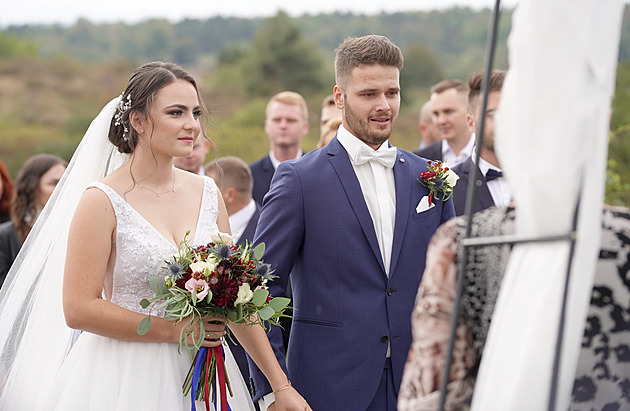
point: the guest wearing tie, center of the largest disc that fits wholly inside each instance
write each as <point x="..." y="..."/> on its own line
<point x="234" y="180"/>
<point x="453" y="123"/>
<point x="286" y="124"/>
<point x="343" y="222"/>
<point x="492" y="188"/>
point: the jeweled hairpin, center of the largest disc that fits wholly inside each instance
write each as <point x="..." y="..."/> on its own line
<point x="123" y="106"/>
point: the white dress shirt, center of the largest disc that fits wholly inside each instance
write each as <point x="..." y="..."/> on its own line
<point x="499" y="187"/>
<point x="275" y="162"/>
<point x="448" y="154"/>
<point x="240" y="219"/>
<point x="374" y="178"/>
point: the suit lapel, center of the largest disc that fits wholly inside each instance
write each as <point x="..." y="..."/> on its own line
<point x="483" y="196"/>
<point x="403" y="192"/>
<point x="343" y="167"/>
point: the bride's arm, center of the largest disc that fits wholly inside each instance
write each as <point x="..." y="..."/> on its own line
<point x="89" y="249"/>
<point x="254" y="340"/>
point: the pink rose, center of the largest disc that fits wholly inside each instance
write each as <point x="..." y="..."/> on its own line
<point x="198" y="288"/>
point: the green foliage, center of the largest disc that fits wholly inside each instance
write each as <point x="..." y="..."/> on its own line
<point x="13" y="46"/>
<point x="421" y="68"/>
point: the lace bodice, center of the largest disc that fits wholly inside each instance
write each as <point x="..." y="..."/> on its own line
<point x="141" y="249"/>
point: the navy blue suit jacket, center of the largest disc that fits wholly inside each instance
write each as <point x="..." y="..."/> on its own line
<point x="431" y="152"/>
<point x="483" y="198"/>
<point x="262" y="171"/>
<point x="316" y="225"/>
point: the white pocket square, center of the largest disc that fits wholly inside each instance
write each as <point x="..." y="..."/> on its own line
<point x="424" y="205"/>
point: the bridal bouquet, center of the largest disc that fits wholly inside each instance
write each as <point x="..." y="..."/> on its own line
<point x="217" y="279"/>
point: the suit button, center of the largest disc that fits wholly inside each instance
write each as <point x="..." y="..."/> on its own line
<point x="390" y="291"/>
<point x="384" y="338"/>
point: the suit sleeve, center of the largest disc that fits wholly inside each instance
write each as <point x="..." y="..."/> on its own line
<point x="281" y="228"/>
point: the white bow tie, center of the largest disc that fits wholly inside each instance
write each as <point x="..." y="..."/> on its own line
<point x="386" y="157"/>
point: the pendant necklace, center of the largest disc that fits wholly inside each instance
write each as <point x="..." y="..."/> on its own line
<point x="171" y="190"/>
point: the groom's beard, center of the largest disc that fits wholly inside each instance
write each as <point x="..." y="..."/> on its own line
<point x="363" y="129"/>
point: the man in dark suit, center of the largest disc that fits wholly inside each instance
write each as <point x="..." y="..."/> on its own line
<point x="492" y="188"/>
<point x="286" y="124"/>
<point x="234" y="180"/>
<point x="453" y="124"/>
<point x="345" y="222"/>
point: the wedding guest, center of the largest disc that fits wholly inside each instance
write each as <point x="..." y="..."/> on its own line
<point x="344" y="222"/>
<point x="34" y="185"/>
<point x="234" y="180"/>
<point x="606" y="329"/>
<point x="286" y="124"/>
<point x="452" y="120"/>
<point x="329" y="130"/>
<point x="195" y="161"/>
<point x="121" y="230"/>
<point x="6" y="191"/>
<point x="492" y="187"/>
<point x="428" y="133"/>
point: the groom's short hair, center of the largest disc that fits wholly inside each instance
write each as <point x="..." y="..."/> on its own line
<point x="365" y="51"/>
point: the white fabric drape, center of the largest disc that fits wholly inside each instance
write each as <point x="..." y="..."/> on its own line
<point x="35" y="318"/>
<point x="552" y="138"/>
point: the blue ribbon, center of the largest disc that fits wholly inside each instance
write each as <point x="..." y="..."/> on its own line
<point x="199" y="365"/>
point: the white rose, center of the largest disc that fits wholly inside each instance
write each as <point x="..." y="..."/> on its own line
<point x="244" y="294"/>
<point x="202" y="266"/>
<point x="223" y="238"/>
<point x="451" y="177"/>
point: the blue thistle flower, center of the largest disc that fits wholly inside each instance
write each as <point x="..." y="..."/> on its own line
<point x="262" y="269"/>
<point x="224" y="251"/>
<point x="438" y="182"/>
<point x="175" y="269"/>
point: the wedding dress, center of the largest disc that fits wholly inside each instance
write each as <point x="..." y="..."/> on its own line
<point x="41" y="365"/>
<point x="101" y="373"/>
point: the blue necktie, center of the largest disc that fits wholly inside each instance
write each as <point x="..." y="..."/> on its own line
<point x="493" y="174"/>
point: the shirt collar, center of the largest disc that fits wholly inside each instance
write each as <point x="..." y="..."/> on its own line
<point x="275" y="162"/>
<point x="352" y="144"/>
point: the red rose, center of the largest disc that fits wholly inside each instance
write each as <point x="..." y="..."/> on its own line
<point x="428" y="175"/>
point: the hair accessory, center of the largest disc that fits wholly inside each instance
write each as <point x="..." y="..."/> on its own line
<point x="122" y="108"/>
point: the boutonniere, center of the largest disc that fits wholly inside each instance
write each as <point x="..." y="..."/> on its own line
<point x="440" y="180"/>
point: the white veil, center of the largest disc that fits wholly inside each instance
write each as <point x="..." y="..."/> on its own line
<point x="34" y="338"/>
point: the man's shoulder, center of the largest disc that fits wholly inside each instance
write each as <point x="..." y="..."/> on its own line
<point x="432" y="151"/>
<point x="261" y="164"/>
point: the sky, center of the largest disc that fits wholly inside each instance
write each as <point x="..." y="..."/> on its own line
<point x="66" y="12"/>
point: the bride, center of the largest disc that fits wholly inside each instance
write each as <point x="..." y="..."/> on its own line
<point x="123" y="228"/>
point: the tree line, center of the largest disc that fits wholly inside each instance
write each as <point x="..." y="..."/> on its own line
<point x="54" y="79"/>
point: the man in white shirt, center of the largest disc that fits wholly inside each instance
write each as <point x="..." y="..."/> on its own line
<point x="286" y="124"/>
<point x="453" y="123"/>
<point x="492" y="188"/>
<point x="344" y="222"/>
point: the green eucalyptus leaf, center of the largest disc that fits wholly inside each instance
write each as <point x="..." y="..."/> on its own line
<point x="266" y="313"/>
<point x="279" y="303"/>
<point x="145" y="303"/>
<point x="260" y="297"/>
<point x="259" y="250"/>
<point x="144" y="325"/>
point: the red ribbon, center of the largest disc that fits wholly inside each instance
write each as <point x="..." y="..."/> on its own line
<point x="218" y="353"/>
<point x="430" y="198"/>
<point x="206" y="391"/>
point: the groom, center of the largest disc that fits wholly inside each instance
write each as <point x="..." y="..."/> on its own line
<point x="344" y="221"/>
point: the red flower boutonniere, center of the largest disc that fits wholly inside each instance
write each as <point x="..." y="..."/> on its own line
<point x="440" y="180"/>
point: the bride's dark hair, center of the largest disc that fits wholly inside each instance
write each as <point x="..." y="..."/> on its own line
<point x="144" y="83"/>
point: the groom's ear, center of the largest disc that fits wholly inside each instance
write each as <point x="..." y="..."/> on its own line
<point x="338" y="94"/>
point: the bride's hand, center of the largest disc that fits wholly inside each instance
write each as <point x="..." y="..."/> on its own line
<point x="289" y="400"/>
<point x="214" y="330"/>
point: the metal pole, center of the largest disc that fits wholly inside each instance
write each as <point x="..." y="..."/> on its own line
<point x="470" y="200"/>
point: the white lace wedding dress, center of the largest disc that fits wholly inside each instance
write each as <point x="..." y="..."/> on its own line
<point x="105" y="374"/>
